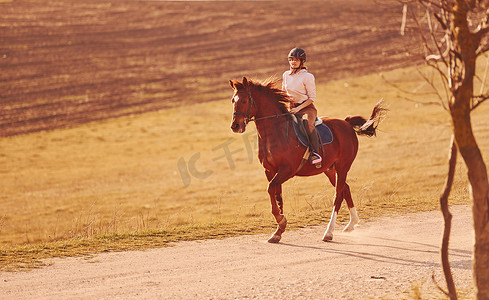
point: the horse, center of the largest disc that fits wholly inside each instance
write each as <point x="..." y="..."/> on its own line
<point x="283" y="157"/>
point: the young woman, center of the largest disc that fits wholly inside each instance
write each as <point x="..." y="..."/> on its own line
<point x="300" y="85"/>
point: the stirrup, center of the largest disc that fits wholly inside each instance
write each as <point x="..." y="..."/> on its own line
<point x="316" y="159"/>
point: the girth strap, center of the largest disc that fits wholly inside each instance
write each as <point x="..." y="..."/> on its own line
<point x="304" y="159"/>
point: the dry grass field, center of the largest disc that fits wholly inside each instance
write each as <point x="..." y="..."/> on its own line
<point x="169" y="168"/>
<point x="137" y="149"/>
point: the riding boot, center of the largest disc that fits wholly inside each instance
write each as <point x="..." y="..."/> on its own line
<point x="315" y="157"/>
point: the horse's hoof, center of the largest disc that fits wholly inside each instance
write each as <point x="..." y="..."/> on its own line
<point x="327" y="237"/>
<point x="274" y="239"/>
<point x="349" y="228"/>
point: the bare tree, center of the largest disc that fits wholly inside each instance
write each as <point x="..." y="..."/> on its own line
<point x="454" y="34"/>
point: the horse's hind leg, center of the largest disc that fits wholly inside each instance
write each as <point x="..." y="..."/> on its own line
<point x="342" y="192"/>
<point x="353" y="211"/>
<point x="339" y="184"/>
<point x="346" y="194"/>
<point x="328" y="235"/>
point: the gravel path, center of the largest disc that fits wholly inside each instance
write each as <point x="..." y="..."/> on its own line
<point x="380" y="259"/>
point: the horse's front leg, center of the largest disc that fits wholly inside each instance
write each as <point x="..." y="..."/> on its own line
<point x="276" y="200"/>
<point x="278" y="212"/>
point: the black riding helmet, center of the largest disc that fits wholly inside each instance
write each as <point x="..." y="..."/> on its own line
<point x="298" y="53"/>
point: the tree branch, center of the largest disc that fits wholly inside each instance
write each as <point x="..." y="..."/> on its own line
<point x="432" y="3"/>
<point x="482" y="98"/>
<point x="441" y="54"/>
<point x="403" y="90"/>
<point x="442" y="103"/>
<point x="483" y="44"/>
<point x="422" y="35"/>
<point x="482" y="49"/>
<point x="447" y="216"/>
<point x="442" y="22"/>
<point x="479" y="35"/>
<point x="437" y="52"/>
<point x="483" y="81"/>
<point x="437" y="285"/>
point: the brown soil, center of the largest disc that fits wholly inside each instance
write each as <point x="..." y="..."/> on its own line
<point x="69" y="62"/>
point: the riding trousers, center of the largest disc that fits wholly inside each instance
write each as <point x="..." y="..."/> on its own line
<point x="310" y="113"/>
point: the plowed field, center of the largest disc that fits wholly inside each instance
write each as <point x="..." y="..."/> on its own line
<point x="70" y="62"/>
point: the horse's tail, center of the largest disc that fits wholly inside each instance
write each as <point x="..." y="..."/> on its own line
<point x="368" y="127"/>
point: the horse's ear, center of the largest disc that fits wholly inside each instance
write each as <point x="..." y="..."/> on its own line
<point x="245" y="82"/>
<point x="231" y="83"/>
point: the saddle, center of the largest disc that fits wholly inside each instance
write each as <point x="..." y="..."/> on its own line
<point x="325" y="134"/>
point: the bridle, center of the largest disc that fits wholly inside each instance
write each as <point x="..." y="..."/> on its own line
<point x="247" y="115"/>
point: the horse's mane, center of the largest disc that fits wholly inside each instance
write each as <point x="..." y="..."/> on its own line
<point x="271" y="88"/>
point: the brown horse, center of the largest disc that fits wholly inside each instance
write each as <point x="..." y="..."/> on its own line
<point x="281" y="155"/>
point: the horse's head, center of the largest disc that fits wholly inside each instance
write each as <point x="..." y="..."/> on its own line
<point x="244" y="105"/>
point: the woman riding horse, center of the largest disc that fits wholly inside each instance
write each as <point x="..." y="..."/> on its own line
<point x="281" y="154"/>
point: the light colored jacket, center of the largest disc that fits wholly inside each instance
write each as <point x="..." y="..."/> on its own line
<point x="299" y="86"/>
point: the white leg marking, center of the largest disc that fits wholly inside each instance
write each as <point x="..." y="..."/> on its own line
<point x="353" y="220"/>
<point x="328" y="235"/>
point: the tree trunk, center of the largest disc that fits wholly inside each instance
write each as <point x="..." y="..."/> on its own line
<point x="466" y="44"/>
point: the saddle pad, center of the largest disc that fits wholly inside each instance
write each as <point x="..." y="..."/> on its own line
<point x="325" y="135"/>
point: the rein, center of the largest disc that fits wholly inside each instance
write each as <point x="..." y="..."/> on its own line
<point x="268" y="117"/>
<point x="248" y="118"/>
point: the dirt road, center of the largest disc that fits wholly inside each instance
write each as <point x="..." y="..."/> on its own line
<point x="384" y="259"/>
